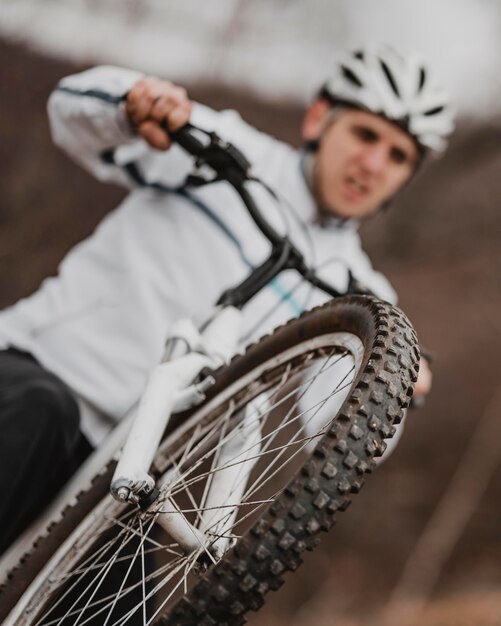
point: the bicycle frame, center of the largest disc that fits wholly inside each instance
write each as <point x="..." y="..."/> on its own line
<point x="229" y="165"/>
<point x="180" y="380"/>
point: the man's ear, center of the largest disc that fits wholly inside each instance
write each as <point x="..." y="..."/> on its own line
<point x="314" y="118"/>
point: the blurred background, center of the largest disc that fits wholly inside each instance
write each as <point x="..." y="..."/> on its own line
<point x="421" y="543"/>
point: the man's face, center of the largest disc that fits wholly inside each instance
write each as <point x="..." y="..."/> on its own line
<point x="362" y="161"/>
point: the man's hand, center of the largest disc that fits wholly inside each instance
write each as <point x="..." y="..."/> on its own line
<point x="425" y="377"/>
<point x="153" y="104"/>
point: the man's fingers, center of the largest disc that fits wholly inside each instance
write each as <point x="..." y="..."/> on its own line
<point x="152" y="104"/>
<point x="162" y="107"/>
<point x="151" y="132"/>
<point x="140" y="106"/>
<point x="179" y="116"/>
<point x="172" y="107"/>
<point x="143" y="97"/>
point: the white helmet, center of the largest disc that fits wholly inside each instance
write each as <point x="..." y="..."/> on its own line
<point x="384" y="82"/>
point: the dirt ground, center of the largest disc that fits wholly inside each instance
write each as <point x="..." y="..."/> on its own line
<point x="439" y="245"/>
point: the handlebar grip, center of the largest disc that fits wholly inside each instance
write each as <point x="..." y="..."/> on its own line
<point x="187" y="140"/>
<point x="224" y="158"/>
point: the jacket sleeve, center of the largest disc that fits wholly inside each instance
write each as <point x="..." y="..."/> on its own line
<point x="88" y="121"/>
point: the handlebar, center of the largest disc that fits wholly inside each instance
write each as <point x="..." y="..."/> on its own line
<point x="187" y="140"/>
<point x="231" y="165"/>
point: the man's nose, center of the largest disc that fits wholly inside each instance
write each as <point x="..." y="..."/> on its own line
<point x="374" y="159"/>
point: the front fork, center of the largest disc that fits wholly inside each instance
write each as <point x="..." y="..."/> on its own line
<point x="171" y="387"/>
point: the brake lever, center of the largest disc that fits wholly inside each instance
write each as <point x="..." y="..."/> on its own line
<point x="222" y="156"/>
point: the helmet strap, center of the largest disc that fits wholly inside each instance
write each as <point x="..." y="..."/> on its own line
<point x="324" y="215"/>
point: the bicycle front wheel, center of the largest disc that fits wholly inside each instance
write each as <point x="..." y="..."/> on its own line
<point x="283" y="441"/>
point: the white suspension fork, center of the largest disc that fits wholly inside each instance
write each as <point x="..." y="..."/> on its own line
<point x="229" y="478"/>
<point x="165" y="383"/>
<point x="170" y="387"/>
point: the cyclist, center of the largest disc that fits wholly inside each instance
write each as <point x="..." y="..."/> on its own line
<point x="76" y="353"/>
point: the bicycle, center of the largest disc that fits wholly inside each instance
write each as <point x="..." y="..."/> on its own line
<point x="234" y="464"/>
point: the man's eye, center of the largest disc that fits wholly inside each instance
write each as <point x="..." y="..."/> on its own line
<point x="398" y="155"/>
<point x="365" y="134"/>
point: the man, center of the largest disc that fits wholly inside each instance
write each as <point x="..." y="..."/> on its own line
<point x="77" y="352"/>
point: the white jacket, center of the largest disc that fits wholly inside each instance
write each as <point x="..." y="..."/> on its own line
<point x="101" y="323"/>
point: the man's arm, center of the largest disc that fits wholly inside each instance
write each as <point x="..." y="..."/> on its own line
<point x="112" y="110"/>
<point x="108" y="118"/>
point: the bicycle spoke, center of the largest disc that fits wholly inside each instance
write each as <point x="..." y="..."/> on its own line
<point x="285" y="422"/>
<point x="232" y="434"/>
<point x="118" y="594"/>
<point x="76" y="582"/>
<point x="175" y="568"/>
<point x="143" y="571"/>
<point x="215" y="461"/>
<point x="318" y="407"/>
<point x="112" y="598"/>
<point x="178" y="566"/>
<point x="99" y="577"/>
<point x="224" y="506"/>
<point x="188" y="567"/>
<point x="260" y="481"/>
<point x="85" y="568"/>
<point x="159" y="572"/>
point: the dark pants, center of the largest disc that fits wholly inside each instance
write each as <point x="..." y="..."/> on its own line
<point x="40" y="441"/>
<point x="40" y="447"/>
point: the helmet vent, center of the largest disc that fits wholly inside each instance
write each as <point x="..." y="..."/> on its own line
<point x="434" y="111"/>
<point x="422" y="78"/>
<point x="390" y="78"/>
<point x="351" y="76"/>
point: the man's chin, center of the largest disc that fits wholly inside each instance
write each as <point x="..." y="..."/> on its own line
<point x="352" y="211"/>
<point x="342" y="208"/>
